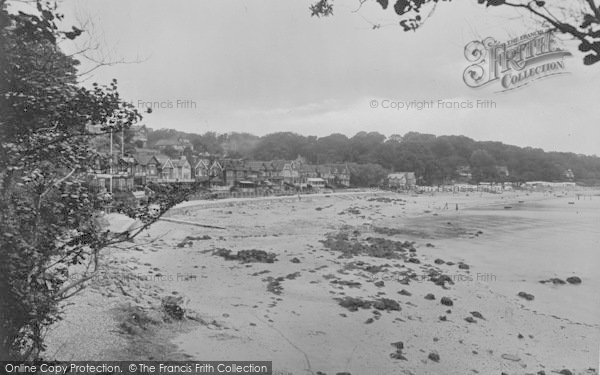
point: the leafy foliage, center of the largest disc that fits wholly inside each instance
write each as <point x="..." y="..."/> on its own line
<point x="321" y="8"/>
<point x="367" y="175"/>
<point x="579" y="19"/>
<point x="434" y="159"/>
<point x="50" y="228"/>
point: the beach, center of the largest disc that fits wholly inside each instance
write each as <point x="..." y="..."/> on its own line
<point x="366" y="282"/>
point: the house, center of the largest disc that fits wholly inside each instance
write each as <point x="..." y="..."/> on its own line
<point x="257" y="170"/>
<point x="182" y="171"/>
<point x="332" y="174"/>
<point x="276" y="171"/>
<point x="307" y="171"/>
<point x="125" y="166"/>
<point x="122" y="183"/>
<point x="106" y="182"/>
<point x="165" y="168"/>
<point x="403" y="180"/>
<point x="216" y="172"/>
<point x="205" y="167"/>
<point x="293" y="172"/>
<point x="146" y="169"/>
<point x="336" y="174"/>
<point x="202" y="168"/>
<point x="290" y="173"/>
<point x="233" y="171"/>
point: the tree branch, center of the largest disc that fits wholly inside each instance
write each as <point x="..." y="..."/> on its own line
<point x="595" y="9"/>
<point x="565" y="28"/>
<point x="54" y="185"/>
<point x="61" y="292"/>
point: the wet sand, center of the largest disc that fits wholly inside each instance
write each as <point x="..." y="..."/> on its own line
<point x="289" y="312"/>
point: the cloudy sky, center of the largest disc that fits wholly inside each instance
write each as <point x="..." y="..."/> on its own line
<point x="265" y="66"/>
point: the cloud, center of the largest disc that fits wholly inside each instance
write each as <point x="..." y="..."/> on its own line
<point x="268" y="66"/>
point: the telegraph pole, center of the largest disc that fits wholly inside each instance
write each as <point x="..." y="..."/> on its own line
<point x="111" y="161"/>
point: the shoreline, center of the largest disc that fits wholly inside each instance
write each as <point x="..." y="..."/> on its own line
<point x="294" y="230"/>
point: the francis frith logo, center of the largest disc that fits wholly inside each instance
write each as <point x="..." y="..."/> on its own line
<point x="514" y="63"/>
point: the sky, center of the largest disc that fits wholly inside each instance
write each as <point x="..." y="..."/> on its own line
<point x="266" y="66"/>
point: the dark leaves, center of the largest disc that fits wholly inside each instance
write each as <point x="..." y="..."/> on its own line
<point x="585" y="47"/>
<point x="47" y="211"/>
<point x="383" y="3"/>
<point x="409" y="25"/>
<point x="588" y="20"/>
<point x="591" y="59"/>
<point x="73" y="34"/>
<point x="322" y="8"/>
<point x="403" y="6"/>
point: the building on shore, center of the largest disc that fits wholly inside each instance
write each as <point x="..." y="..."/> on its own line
<point x="149" y="165"/>
<point x="402" y="180"/>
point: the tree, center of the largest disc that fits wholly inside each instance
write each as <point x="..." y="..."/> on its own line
<point x="363" y="146"/>
<point x="239" y="144"/>
<point x="484" y="165"/>
<point x="51" y="233"/>
<point x="418" y="137"/>
<point x="366" y="175"/>
<point x="578" y="19"/>
<point x="171" y="152"/>
<point x="209" y="142"/>
<point x="435" y="159"/>
<point x="334" y="148"/>
<point x="285" y="145"/>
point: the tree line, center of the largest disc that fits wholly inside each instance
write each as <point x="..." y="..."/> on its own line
<point x="434" y="159"/>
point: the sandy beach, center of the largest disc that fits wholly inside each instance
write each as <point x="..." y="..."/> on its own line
<point x="360" y="283"/>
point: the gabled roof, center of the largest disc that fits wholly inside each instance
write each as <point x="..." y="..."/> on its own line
<point x="278" y="164"/>
<point x="164" y="160"/>
<point x="144" y="159"/>
<point x="180" y="162"/>
<point x="127" y="159"/>
<point x="236" y="164"/>
<point x="201" y="163"/>
<point x="307" y="168"/>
